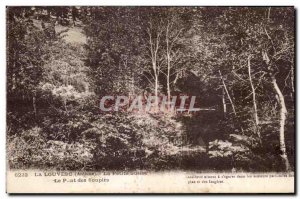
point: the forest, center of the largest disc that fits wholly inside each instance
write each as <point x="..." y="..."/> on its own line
<point x="239" y="62"/>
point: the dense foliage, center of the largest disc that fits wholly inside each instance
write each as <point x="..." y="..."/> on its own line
<point x="238" y="61"/>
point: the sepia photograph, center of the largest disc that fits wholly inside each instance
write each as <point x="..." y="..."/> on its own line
<point x="150" y="99"/>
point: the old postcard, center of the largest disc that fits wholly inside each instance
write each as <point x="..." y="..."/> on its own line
<point x="150" y="99"/>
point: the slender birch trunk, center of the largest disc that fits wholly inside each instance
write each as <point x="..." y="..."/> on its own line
<point x="156" y="87"/>
<point x="154" y="47"/>
<point x="228" y="95"/>
<point x="292" y="79"/>
<point x="224" y="102"/>
<point x="283" y="114"/>
<point x="253" y="93"/>
<point x="168" y="66"/>
<point x="254" y="101"/>
<point x="283" y="109"/>
<point x="168" y="90"/>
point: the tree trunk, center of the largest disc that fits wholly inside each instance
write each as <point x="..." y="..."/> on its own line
<point x="254" y="101"/>
<point x="228" y="95"/>
<point x="168" y="66"/>
<point x="156" y="86"/>
<point x="292" y="80"/>
<point x="156" y="92"/>
<point x="224" y="102"/>
<point x="168" y="82"/>
<point x="253" y="93"/>
<point x="168" y="91"/>
<point x="283" y="113"/>
<point x="154" y="47"/>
